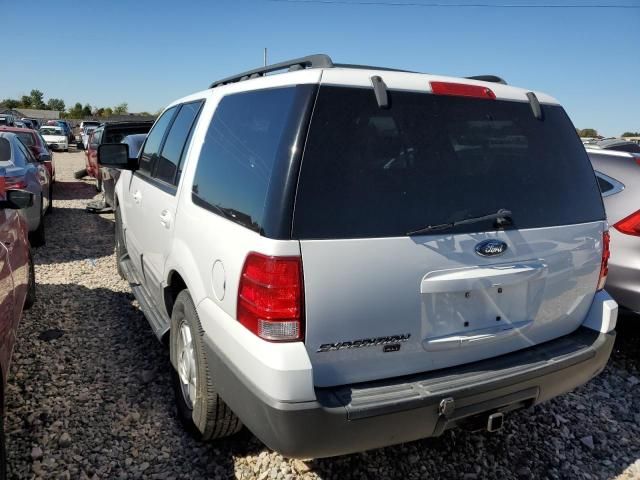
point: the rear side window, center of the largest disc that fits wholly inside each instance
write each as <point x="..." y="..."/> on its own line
<point x="96" y="137"/>
<point x="167" y="167"/>
<point x="5" y="150"/>
<point x="431" y="159"/>
<point x="239" y="152"/>
<point x="627" y="147"/>
<point x="154" y="141"/>
<point x="604" y="185"/>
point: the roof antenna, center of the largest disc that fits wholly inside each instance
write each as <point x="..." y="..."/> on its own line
<point x="380" y="89"/>
<point x="536" y="108"/>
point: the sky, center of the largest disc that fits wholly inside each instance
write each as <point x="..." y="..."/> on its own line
<point x="149" y="53"/>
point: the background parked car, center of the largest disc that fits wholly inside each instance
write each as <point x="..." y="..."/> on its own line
<point x="7" y="120"/>
<point x="85" y="133"/>
<point x="21" y="170"/>
<point x="619" y="178"/>
<point x="38" y="147"/>
<point x="20" y="124"/>
<point x="55" y="137"/>
<point x="83" y="130"/>
<point x="34" y="122"/>
<point x="27" y="123"/>
<point x="66" y="128"/>
<point x="17" y="284"/>
<point x="110" y="133"/>
<point x="618" y="144"/>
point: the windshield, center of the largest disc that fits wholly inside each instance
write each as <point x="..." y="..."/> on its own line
<point x="51" y="131"/>
<point x="88" y="130"/>
<point x="431" y="159"/>
<point x="27" y="139"/>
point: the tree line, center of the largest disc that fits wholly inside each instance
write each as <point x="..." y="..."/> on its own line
<point x="35" y="100"/>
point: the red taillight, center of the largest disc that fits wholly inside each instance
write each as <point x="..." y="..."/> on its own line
<point x="270" y="297"/>
<point x="629" y="225"/>
<point x="604" y="265"/>
<point x="462" y="90"/>
<point x="15" y="183"/>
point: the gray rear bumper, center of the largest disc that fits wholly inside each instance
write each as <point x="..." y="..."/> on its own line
<point x="371" y="415"/>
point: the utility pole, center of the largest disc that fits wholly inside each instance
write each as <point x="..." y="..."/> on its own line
<point x="265" y="56"/>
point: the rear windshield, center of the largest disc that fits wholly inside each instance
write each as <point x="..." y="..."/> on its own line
<point x="429" y="159"/>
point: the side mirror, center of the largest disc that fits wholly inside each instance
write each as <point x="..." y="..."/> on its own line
<point x="45" y="157"/>
<point x="17" y="199"/>
<point x="116" y="155"/>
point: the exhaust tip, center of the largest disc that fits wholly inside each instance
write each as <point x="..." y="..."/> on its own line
<point x="495" y="422"/>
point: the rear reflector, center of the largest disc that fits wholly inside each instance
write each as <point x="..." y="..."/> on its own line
<point x="270" y="297"/>
<point x="15" y="183"/>
<point x="462" y="90"/>
<point x="604" y="265"/>
<point x="629" y="225"/>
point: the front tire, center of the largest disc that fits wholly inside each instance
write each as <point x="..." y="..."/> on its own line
<point x="37" y="237"/>
<point x="120" y="247"/>
<point x="3" y="454"/>
<point x="30" y="299"/>
<point x="200" y="408"/>
<point x="50" y="207"/>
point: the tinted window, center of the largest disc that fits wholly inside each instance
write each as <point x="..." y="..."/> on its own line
<point x="154" y="141"/>
<point x="26" y="154"/>
<point x="96" y="137"/>
<point x="603" y="184"/>
<point x="5" y="150"/>
<point x="239" y="152"/>
<point x="432" y="159"/>
<point x="627" y="147"/>
<point x="27" y="138"/>
<point x="169" y="161"/>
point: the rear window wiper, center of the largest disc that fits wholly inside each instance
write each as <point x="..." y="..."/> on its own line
<point x="503" y="217"/>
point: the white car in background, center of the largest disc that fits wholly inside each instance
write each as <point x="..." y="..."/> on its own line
<point x="55" y="137"/>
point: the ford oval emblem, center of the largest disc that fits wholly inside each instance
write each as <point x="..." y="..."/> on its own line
<point x="491" y="248"/>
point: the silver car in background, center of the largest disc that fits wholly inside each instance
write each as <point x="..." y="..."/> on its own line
<point x="619" y="178"/>
<point x="21" y="171"/>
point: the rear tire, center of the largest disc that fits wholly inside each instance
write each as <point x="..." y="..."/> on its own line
<point x="120" y="247"/>
<point x="50" y="207"/>
<point x="30" y="299"/>
<point x="37" y="238"/>
<point x="3" y="453"/>
<point x="200" y="408"/>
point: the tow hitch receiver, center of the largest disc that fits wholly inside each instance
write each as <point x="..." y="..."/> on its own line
<point x="495" y="422"/>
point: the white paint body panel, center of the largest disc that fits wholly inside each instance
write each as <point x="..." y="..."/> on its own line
<point x="366" y="288"/>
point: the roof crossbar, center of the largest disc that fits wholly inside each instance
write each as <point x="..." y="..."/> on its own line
<point x="489" y="78"/>
<point x="311" y="61"/>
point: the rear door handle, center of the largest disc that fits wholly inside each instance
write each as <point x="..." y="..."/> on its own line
<point x="165" y="218"/>
<point x="137" y="196"/>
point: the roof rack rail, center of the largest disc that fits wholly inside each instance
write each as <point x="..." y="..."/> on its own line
<point x="311" y="61"/>
<point x="370" y="67"/>
<point x="489" y="78"/>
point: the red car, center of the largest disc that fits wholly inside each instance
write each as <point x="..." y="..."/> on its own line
<point x="17" y="283"/>
<point x="37" y="145"/>
<point x="113" y="132"/>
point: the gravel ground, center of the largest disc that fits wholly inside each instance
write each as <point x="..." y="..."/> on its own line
<point x="89" y="394"/>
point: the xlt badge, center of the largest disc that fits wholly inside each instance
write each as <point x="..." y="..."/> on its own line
<point x="366" y="342"/>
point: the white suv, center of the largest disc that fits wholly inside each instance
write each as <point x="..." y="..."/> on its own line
<point x="346" y="257"/>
